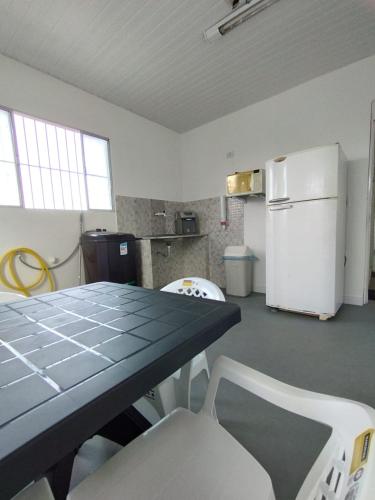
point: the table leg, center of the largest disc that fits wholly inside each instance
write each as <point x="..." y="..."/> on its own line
<point x="125" y="427"/>
<point x="59" y="476"/>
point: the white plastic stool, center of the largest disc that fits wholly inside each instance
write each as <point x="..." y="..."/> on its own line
<point x="175" y="391"/>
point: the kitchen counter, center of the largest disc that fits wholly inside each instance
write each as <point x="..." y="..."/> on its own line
<point x="165" y="257"/>
<point x="171" y="236"/>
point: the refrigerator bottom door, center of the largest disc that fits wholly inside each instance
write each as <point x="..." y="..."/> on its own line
<point x="301" y="256"/>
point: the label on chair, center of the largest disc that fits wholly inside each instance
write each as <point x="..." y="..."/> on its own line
<point x="361" y="450"/>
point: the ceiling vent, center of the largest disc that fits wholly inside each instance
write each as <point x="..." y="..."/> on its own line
<point x="242" y="11"/>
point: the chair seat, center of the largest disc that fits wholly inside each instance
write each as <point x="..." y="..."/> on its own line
<point x="185" y="456"/>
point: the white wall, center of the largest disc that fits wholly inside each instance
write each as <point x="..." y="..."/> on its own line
<point x="51" y="233"/>
<point x="356" y="231"/>
<point x="255" y="238"/>
<point x="332" y="108"/>
<point x="145" y="159"/>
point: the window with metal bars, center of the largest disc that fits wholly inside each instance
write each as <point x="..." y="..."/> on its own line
<point x="47" y="166"/>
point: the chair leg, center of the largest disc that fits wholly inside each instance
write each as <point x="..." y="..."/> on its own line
<point x="166" y="396"/>
<point x="147" y="409"/>
<point x="207" y="376"/>
<point x="175" y="391"/>
<point x="200" y="364"/>
<point x="163" y="397"/>
<point x="183" y="386"/>
<point x="188" y="373"/>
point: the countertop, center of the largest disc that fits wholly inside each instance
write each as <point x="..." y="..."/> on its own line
<point x="171" y="236"/>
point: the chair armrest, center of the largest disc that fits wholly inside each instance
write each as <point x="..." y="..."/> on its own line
<point x="338" y="413"/>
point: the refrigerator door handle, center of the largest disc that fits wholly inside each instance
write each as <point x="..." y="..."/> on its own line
<point x="278" y="200"/>
<point x="286" y="207"/>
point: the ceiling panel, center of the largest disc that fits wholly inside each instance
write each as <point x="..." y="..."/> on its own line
<point x="149" y="56"/>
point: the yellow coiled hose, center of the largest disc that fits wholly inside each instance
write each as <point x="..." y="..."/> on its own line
<point x="9" y="258"/>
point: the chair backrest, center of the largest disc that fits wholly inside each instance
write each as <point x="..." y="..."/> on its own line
<point x="10" y="296"/>
<point x="345" y="468"/>
<point x="343" y="471"/>
<point x="195" y="287"/>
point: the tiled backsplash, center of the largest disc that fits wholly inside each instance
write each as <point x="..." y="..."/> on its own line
<point x="199" y="256"/>
<point x="136" y="215"/>
<point x="133" y="215"/>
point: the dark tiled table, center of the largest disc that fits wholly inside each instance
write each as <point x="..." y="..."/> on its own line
<point x="72" y="361"/>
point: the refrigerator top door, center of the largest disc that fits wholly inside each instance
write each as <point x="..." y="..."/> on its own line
<point x="306" y="175"/>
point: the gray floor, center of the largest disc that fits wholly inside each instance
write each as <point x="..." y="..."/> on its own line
<point x="336" y="357"/>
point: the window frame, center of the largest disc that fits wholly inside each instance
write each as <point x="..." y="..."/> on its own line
<point x="21" y="205"/>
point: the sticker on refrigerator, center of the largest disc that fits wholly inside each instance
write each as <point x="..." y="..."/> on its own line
<point x="124" y="248"/>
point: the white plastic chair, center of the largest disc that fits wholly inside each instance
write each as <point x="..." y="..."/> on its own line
<point x="188" y="455"/>
<point x="195" y="287"/>
<point x="175" y="391"/>
<point x="10" y="296"/>
<point x="40" y="490"/>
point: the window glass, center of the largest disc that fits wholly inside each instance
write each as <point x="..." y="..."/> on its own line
<point x="97" y="172"/>
<point x="8" y="184"/>
<point x="59" y="168"/>
<point x="99" y="192"/>
<point x="6" y="143"/>
<point x="9" y="194"/>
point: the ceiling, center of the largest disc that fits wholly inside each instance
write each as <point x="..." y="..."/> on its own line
<point x="149" y="56"/>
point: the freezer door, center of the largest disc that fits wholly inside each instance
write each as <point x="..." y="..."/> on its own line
<point x="308" y="175"/>
<point x="301" y="253"/>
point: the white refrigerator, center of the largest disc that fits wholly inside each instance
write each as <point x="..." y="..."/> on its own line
<point x="305" y="231"/>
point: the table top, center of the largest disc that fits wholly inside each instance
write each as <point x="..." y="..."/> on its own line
<point x="62" y="352"/>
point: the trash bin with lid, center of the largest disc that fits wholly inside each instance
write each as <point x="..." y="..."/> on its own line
<point x="238" y="261"/>
<point x="109" y="256"/>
